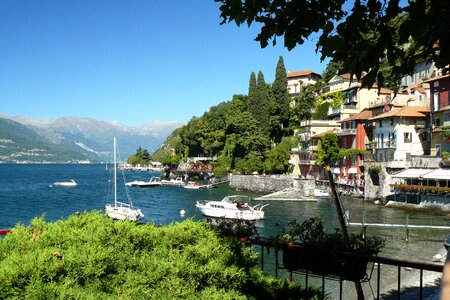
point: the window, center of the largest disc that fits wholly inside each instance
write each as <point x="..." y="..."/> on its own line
<point x="407" y="137"/>
<point x="436" y="101"/>
<point x="438" y="149"/>
<point x="380" y="124"/>
<point x="437" y="122"/>
<point x="392" y="121"/>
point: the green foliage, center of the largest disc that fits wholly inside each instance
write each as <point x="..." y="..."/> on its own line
<point x="445" y="154"/>
<point x="328" y="149"/>
<point x="94" y="257"/>
<point x="277" y="161"/>
<point x="306" y="101"/>
<point x="249" y="164"/>
<point x="362" y="36"/>
<point x="311" y="234"/>
<point x="445" y="133"/>
<point x="332" y="68"/>
<point x="141" y="157"/>
<point x="222" y="166"/>
<point x="350" y="151"/>
<point x="281" y="94"/>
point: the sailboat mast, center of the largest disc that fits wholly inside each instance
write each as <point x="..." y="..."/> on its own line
<point x="115" y="175"/>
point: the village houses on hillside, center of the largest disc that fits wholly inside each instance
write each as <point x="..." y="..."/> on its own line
<point x="390" y="133"/>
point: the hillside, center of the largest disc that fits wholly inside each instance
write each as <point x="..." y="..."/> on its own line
<point x="93" y="138"/>
<point x="19" y="143"/>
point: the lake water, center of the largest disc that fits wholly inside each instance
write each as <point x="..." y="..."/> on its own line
<point x="26" y="192"/>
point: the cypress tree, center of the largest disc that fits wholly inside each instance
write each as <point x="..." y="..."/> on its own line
<point x="280" y="93"/>
<point x="252" y="102"/>
<point x="262" y="97"/>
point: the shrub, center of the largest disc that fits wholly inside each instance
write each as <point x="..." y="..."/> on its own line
<point x="94" y="257"/>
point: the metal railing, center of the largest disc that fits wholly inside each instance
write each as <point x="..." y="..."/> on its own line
<point x="270" y="265"/>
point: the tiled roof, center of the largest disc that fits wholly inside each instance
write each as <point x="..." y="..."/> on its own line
<point x="317" y="136"/>
<point x="406" y="111"/>
<point x="363" y="115"/>
<point x="301" y="73"/>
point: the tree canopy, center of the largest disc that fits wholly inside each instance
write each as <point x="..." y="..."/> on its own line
<point x="363" y="38"/>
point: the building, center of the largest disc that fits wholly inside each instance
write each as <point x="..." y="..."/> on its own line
<point x="298" y="79"/>
<point x="354" y="134"/>
<point x="440" y="114"/>
<point x="354" y="98"/>
<point x="398" y="133"/>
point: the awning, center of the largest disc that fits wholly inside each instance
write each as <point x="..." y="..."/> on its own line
<point x="440" y="174"/>
<point x="352" y="171"/>
<point x="411" y="173"/>
<point x="336" y="170"/>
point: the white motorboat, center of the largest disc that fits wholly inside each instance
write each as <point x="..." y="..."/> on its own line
<point x="195" y="185"/>
<point x="232" y="207"/>
<point x="153" y="182"/>
<point x="120" y="210"/>
<point x="70" y="183"/>
<point x="321" y="194"/>
<point x="173" y="182"/>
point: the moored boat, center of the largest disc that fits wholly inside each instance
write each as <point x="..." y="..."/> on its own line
<point x="173" y="182"/>
<point x="153" y="182"/>
<point x="120" y="210"/>
<point x="195" y="185"/>
<point x="70" y="183"/>
<point x="321" y="194"/>
<point x="232" y="207"/>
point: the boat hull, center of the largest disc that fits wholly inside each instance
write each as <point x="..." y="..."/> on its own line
<point x="123" y="213"/>
<point x="230" y="214"/>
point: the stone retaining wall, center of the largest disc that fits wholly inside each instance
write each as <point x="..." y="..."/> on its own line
<point x="260" y="183"/>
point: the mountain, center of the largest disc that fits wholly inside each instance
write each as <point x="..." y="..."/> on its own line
<point x="19" y="143"/>
<point x="93" y="138"/>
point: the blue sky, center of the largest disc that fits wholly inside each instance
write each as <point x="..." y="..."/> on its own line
<point x="129" y="61"/>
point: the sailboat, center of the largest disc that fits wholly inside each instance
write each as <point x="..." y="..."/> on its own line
<point x="120" y="210"/>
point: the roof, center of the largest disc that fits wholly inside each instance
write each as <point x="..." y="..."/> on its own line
<point x="365" y="114"/>
<point x="437" y="78"/>
<point x="301" y="73"/>
<point x="411" y="173"/>
<point x="334" y="130"/>
<point x="412" y="88"/>
<point x="439" y="174"/>
<point x="406" y="111"/>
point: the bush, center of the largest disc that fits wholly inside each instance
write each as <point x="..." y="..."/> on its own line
<point x="94" y="257"/>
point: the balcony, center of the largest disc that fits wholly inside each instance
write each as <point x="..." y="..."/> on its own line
<point x="307" y="162"/>
<point x="349" y="131"/>
<point x="387" y="145"/>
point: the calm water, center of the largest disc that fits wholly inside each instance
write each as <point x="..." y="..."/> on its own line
<point x="25" y="192"/>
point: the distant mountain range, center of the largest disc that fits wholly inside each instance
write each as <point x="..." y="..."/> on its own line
<point x="75" y="139"/>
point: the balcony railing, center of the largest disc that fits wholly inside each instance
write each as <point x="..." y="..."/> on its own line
<point x="350" y="131"/>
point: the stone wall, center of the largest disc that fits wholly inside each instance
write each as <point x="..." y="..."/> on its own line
<point x="260" y="184"/>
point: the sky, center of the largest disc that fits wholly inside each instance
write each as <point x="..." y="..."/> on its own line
<point x="129" y="61"/>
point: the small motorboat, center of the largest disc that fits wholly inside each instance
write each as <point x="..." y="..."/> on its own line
<point x="153" y="182"/>
<point x="70" y="183"/>
<point x="232" y="207"/>
<point x="173" y="182"/>
<point x="195" y="185"/>
<point x="321" y="194"/>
